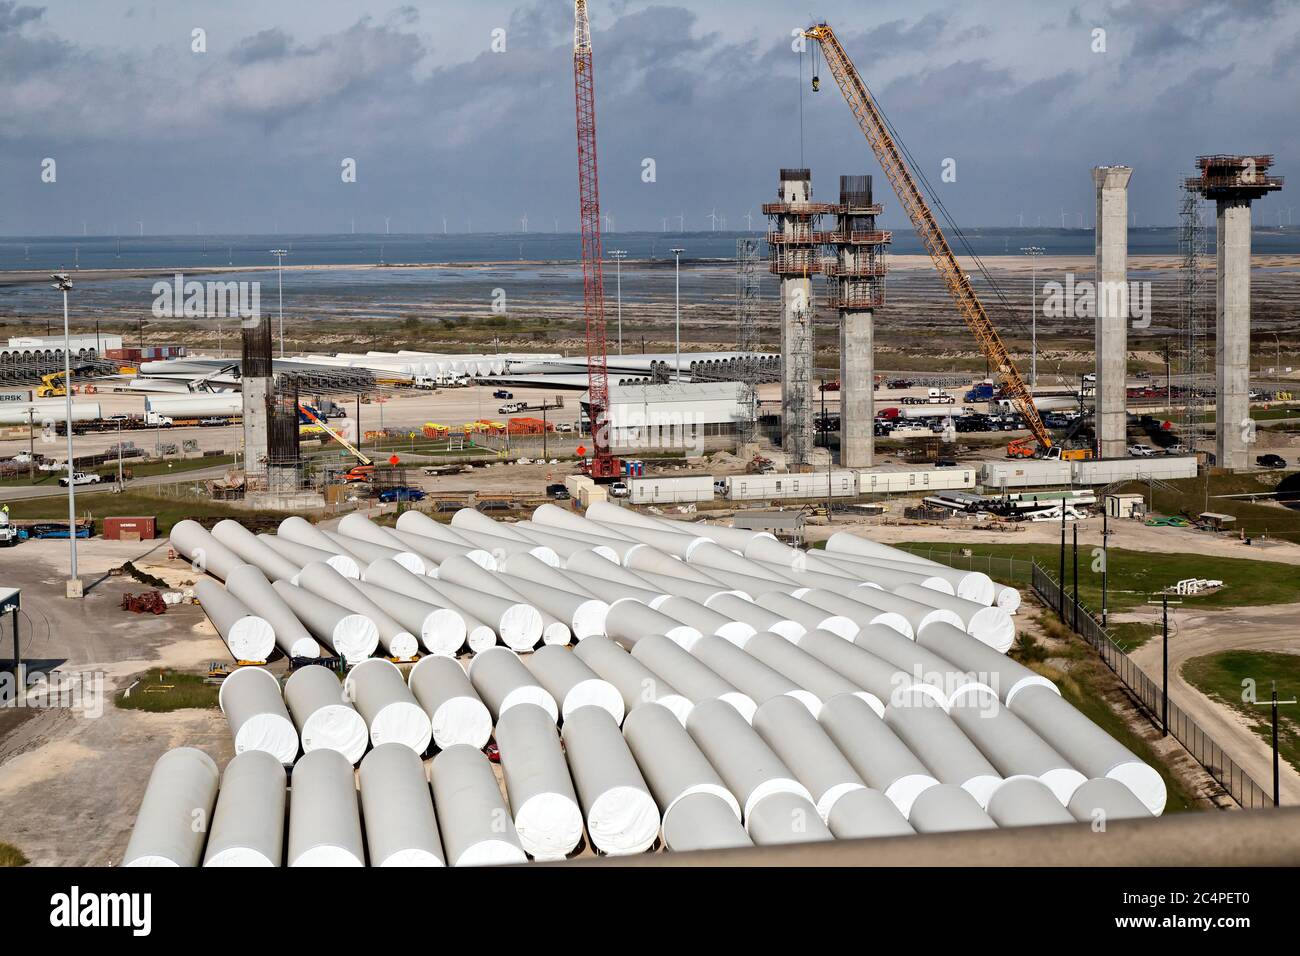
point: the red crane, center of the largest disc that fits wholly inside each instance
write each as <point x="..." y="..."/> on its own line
<point x="602" y="465"/>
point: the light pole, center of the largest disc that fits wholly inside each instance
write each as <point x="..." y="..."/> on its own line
<point x="1033" y="252"/>
<point x="1277" y="365"/>
<point x="279" y="268"/>
<point x="677" y="255"/>
<point x="64" y="285"/>
<point x="619" y="255"/>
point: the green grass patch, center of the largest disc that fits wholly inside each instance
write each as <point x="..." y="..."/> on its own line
<point x="1188" y="499"/>
<point x="167" y="511"/>
<point x="10" y="855"/>
<point x="1135" y="575"/>
<point x="1222" y="677"/>
<point x="137" y="467"/>
<point x="160" y="692"/>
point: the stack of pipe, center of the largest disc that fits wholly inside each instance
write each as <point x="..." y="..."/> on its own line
<point x="765" y="694"/>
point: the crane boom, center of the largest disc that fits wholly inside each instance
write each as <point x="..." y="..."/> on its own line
<point x="603" y="464"/>
<point x="900" y="177"/>
<point x="316" y="420"/>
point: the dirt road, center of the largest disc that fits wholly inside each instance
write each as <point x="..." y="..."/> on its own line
<point x="71" y="777"/>
<point x="1210" y="632"/>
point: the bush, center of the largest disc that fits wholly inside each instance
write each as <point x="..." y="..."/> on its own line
<point x="1027" y="650"/>
<point x="12" y="856"/>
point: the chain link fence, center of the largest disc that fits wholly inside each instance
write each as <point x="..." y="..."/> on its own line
<point x="1149" y="694"/>
<point x="1010" y="570"/>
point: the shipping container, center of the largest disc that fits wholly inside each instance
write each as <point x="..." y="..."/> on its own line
<point x="915" y="479"/>
<point x="1000" y="475"/>
<point x="842" y="484"/>
<point x="1105" y="470"/>
<point x="119" y="528"/>
<point x="657" y="490"/>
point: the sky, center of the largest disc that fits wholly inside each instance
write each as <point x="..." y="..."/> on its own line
<point x="465" y="110"/>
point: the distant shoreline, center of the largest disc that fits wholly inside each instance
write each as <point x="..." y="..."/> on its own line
<point x="1010" y="262"/>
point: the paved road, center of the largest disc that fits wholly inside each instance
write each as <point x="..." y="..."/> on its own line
<point x="1270" y="628"/>
<point x="54" y="491"/>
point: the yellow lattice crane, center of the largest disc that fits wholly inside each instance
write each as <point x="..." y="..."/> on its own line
<point x="889" y="153"/>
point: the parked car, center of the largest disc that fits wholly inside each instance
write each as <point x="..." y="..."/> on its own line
<point x="619" y="489"/>
<point x="564" y="427"/>
<point x="1271" y="461"/>
<point x="558" y="492"/>
<point x="213" y="422"/>
<point x="945" y="463"/>
<point x="81" y="478"/>
<point x="1140" y="451"/>
<point x="401" y="493"/>
<point x="502" y="393"/>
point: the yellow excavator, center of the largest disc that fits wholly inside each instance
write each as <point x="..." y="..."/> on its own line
<point x="890" y="153"/>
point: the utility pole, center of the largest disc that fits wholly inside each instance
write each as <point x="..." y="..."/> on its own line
<point x="1075" y="528"/>
<point x="1105" y="564"/>
<point x="1164" y="667"/>
<point x="677" y="255"/>
<point x="64" y="285"/>
<point x="1060" y="604"/>
<point x="1277" y="782"/>
<point x="619" y="255"/>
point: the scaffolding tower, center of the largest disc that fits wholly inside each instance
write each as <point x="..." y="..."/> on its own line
<point x="1193" y="338"/>
<point x="748" y="312"/>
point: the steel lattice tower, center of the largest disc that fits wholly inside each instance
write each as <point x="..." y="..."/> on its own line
<point x="748" y="311"/>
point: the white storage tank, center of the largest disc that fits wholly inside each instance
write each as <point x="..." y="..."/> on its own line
<point x="658" y="490"/>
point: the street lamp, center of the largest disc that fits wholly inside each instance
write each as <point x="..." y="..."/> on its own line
<point x="619" y="255"/>
<point x="279" y="259"/>
<point x="64" y="285"/>
<point x="1033" y="252"/>
<point x="677" y="255"/>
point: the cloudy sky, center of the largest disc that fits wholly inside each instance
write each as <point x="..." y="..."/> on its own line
<point x="249" y="134"/>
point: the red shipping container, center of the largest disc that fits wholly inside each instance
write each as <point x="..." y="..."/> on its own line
<point x="121" y="528"/>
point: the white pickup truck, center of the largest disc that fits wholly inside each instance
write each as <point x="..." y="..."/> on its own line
<point x="81" y="478"/>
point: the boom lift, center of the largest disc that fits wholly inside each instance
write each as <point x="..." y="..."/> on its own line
<point x="890" y="153"/>
<point x="602" y="466"/>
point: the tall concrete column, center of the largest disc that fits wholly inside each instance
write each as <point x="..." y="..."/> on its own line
<point x="1232" y="335"/>
<point x="1233" y="182"/>
<point x="859" y="269"/>
<point x="1111" y="279"/>
<point x="857" y="400"/>
<point x="794" y="259"/>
